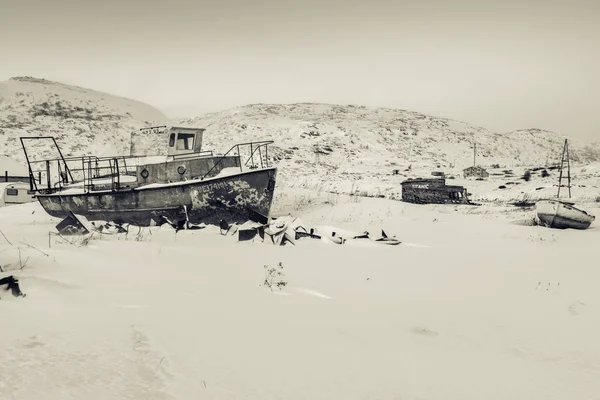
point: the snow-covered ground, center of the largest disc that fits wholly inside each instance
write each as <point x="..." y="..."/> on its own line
<point x="472" y="305"/>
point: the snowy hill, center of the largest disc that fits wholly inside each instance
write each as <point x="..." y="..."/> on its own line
<point x="321" y="146"/>
<point x="83" y="121"/>
<point x="333" y="146"/>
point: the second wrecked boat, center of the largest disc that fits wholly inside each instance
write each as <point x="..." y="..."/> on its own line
<point x="188" y="183"/>
<point x="433" y="191"/>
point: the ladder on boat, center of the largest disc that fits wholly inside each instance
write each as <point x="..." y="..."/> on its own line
<point x="258" y="157"/>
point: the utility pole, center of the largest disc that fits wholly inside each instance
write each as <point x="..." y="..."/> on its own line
<point x="474" y="154"/>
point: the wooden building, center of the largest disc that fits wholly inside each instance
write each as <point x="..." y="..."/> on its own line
<point x="475" y="172"/>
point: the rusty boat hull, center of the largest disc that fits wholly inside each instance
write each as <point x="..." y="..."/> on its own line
<point x="234" y="198"/>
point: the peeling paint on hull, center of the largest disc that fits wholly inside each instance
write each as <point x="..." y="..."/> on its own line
<point x="233" y="198"/>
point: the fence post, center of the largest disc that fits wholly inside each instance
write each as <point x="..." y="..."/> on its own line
<point x="118" y="183"/>
<point x="48" y="174"/>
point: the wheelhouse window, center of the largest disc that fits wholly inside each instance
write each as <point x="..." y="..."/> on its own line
<point x="12" y="192"/>
<point x="185" y="141"/>
<point x="172" y="140"/>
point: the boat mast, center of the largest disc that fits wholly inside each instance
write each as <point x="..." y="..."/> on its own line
<point x="565" y="157"/>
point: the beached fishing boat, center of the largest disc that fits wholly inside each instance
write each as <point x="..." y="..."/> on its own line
<point x="559" y="214"/>
<point x="186" y="183"/>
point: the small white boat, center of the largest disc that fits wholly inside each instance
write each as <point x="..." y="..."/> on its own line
<point x="559" y="214"/>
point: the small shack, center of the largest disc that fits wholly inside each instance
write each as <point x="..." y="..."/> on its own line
<point x="433" y="191"/>
<point x="475" y="172"/>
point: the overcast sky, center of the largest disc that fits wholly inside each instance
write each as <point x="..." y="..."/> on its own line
<point x="504" y="65"/>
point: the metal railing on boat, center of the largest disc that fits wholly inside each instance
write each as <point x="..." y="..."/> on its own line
<point x="254" y="147"/>
<point x="91" y="173"/>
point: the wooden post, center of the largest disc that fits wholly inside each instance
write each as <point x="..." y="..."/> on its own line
<point x="118" y="183"/>
<point x="562" y="159"/>
<point x="48" y="174"/>
<point x="267" y="156"/>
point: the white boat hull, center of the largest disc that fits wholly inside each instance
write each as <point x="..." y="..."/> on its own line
<point x="562" y="215"/>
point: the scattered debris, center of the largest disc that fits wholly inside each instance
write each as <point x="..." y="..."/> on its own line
<point x="181" y="224"/>
<point x="13" y="285"/>
<point x="109" y="227"/>
<point x="288" y="229"/>
<point x="384" y="239"/>
<point x="281" y="230"/>
<point x="249" y="230"/>
<point x="525" y="202"/>
<point x="74" y="225"/>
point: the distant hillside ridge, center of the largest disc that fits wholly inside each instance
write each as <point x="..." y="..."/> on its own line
<point x="353" y="141"/>
<point x="310" y="139"/>
<point x="83" y="121"/>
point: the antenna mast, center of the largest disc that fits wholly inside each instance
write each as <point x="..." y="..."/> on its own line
<point x="565" y="157"/>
